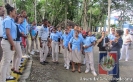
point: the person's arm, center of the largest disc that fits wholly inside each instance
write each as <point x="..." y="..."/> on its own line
<point x="7" y="26"/>
<point x="69" y="44"/>
<point x="130" y="39"/>
<point x="117" y="43"/>
<point x="100" y="39"/>
<point x="36" y="34"/>
<point x="62" y="42"/>
<point x="10" y="39"/>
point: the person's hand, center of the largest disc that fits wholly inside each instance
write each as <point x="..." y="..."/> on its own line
<point x="85" y="46"/>
<point x="40" y="45"/>
<point x="70" y="49"/>
<point x="63" y="47"/>
<point x="102" y="37"/>
<point x="13" y="48"/>
<point x="116" y="40"/>
<point x="59" y="43"/>
<point x="25" y="36"/>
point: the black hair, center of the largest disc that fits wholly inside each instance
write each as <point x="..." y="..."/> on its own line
<point x="49" y="22"/>
<point x="9" y="8"/>
<point x="44" y="20"/>
<point x="19" y="16"/>
<point x="120" y="32"/>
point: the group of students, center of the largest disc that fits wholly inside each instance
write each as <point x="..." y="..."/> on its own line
<point x="74" y="42"/>
<point x="14" y="46"/>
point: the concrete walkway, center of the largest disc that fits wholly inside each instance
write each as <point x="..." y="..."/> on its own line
<point x="57" y="73"/>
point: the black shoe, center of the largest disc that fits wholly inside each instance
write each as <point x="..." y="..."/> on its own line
<point x="57" y="62"/>
<point x="10" y="78"/>
<point x="45" y="62"/>
<point x="113" y="81"/>
<point x="17" y="72"/>
<point x="42" y="63"/>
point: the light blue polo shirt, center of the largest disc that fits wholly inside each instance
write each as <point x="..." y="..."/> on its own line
<point x="60" y="33"/>
<point x="24" y="25"/>
<point x="10" y="24"/>
<point x="66" y="38"/>
<point x="93" y="38"/>
<point x="33" y="30"/>
<point x="54" y="36"/>
<point x="80" y="35"/>
<point x="20" y="30"/>
<point x="76" y="43"/>
<point x="111" y="37"/>
<point x="87" y="42"/>
<point x="72" y="32"/>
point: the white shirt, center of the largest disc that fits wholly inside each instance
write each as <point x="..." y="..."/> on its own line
<point x="1" y="27"/>
<point x="43" y="33"/>
<point x="127" y="37"/>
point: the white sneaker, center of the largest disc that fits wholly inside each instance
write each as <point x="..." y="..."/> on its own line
<point x="120" y="59"/>
<point x="32" y="52"/>
<point x="37" y="50"/>
<point x="94" y="73"/>
<point x="10" y="78"/>
<point x="28" y="56"/>
<point x="24" y="56"/>
<point x="126" y="59"/>
<point x="67" y="67"/>
<point x="86" y="71"/>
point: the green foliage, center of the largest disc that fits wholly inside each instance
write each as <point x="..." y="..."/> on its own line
<point x="113" y="26"/>
<point x="54" y="10"/>
<point x="1" y="3"/>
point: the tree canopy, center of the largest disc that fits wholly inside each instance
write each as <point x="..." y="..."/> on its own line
<point x="86" y="13"/>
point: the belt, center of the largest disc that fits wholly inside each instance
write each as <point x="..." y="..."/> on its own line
<point x="44" y="40"/>
<point x="125" y="44"/>
<point x="7" y="39"/>
<point x="55" y="40"/>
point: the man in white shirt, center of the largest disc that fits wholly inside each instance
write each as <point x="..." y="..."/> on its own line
<point x="127" y="39"/>
<point x="1" y="28"/>
<point x="111" y="36"/>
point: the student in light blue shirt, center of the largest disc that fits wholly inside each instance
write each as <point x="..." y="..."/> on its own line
<point x="112" y="35"/>
<point x="25" y="41"/>
<point x="8" y="42"/>
<point x="33" y="34"/>
<point x="75" y="46"/>
<point x="60" y="34"/>
<point x="88" y="49"/>
<point x="55" y="44"/>
<point x="18" y="55"/>
<point x="65" y="40"/>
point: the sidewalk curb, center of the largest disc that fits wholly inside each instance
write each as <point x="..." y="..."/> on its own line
<point x="26" y="72"/>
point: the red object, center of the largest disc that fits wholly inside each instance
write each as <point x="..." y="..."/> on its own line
<point x="83" y="32"/>
<point x="101" y="70"/>
<point x="24" y="42"/>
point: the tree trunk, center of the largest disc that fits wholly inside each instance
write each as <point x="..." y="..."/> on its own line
<point x="109" y="5"/>
<point x="85" y="24"/>
<point x="90" y="18"/>
<point x="66" y="16"/>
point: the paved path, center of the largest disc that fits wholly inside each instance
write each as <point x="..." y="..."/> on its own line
<point x="57" y="73"/>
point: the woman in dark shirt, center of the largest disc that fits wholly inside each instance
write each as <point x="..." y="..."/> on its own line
<point x="116" y="46"/>
<point x="102" y="42"/>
